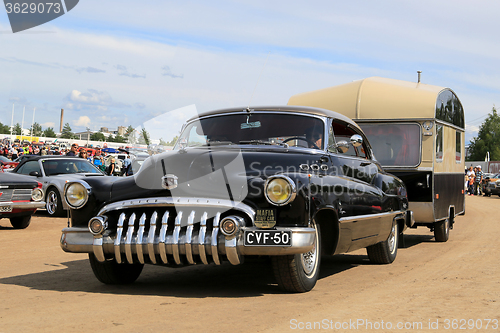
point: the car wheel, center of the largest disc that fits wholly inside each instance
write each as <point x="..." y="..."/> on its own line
<point x="21" y="222"/>
<point x="298" y="273"/>
<point x="111" y="272"/>
<point x="442" y="230"/>
<point x="385" y="252"/>
<point x="53" y="203"/>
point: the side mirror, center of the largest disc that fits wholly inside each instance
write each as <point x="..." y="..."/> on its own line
<point x="35" y="173"/>
<point x="356" y="140"/>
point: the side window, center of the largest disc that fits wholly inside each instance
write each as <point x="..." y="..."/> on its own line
<point x="29" y="167"/>
<point x="439" y="143"/>
<point x="340" y="141"/>
<point x="458" y="147"/>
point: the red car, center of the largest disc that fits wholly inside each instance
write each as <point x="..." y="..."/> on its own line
<point x="5" y="163"/>
<point x="20" y="196"/>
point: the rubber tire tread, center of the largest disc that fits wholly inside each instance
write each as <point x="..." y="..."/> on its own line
<point x="440" y="234"/>
<point x="110" y="272"/>
<point x="379" y="253"/>
<point x="287" y="271"/>
<point x="59" y="211"/>
<point x="20" y="222"/>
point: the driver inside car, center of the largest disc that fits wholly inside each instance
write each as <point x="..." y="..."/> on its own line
<point x="314" y="137"/>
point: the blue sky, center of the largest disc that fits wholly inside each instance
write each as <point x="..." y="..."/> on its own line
<point x="111" y="63"/>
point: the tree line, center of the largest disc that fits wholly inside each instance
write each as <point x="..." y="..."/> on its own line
<point x="487" y="140"/>
<point x="67" y="133"/>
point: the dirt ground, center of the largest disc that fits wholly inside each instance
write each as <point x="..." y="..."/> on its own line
<point x="431" y="287"/>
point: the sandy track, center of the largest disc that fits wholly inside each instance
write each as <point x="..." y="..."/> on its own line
<point x="43" y="289"/>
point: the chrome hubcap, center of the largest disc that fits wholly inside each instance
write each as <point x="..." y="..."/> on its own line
<point x="310" y="259"/>
<point x="52" y="203"/>
<point x="392" y="239"/>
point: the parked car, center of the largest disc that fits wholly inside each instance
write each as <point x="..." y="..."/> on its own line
<point x="489" y="184"/>
<point x="53" y="172"/>
<point x="137" y="161"/>
<point x="492" y="186"/>
<point x="291" y="183"/>
<point x="5" y="163"/>
<point x="20" y="197"/>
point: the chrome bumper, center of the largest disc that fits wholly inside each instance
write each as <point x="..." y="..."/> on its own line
<point x="23" y="205"/>
<point x="180" y="248"/>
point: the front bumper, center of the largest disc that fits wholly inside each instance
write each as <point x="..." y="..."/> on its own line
<point x="184" y="249"/>
<point x="177" y="231"/>
<point x="9" y="206"/>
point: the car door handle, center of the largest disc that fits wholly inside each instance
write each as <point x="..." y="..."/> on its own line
<point x="365" y="163"/>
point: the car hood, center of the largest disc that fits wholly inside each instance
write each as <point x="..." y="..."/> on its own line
<point x="211" y="172"/>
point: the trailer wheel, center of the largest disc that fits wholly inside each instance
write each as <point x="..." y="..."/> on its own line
<point x="442" y="230"/>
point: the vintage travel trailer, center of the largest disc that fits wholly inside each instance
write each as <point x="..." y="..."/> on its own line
<point x="417" y="133"/>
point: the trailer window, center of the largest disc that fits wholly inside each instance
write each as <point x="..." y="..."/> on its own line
<point x="394" y="144"/>
<point x="458" y="149"/>
<point x="439" y="143"/>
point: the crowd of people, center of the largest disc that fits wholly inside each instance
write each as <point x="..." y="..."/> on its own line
<point x="474" y="180"/>
<point x="95" y="156"/>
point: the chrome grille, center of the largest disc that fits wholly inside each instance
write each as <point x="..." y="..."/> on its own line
<point x="21" y="195"/>
<point x="166" y="236"/>
<point x="6" y="195"/>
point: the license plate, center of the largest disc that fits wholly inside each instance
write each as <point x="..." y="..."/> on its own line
<point x="5" y="209"/>
<point x="268" y="238"/>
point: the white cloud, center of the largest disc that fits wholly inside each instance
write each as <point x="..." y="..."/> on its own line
<point x="48" y="124"/>
<point x="82" y="121"/>
<point x="220" y="59"/>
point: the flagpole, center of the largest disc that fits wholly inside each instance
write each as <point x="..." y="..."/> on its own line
<point x="31" y="140"/>
<point x="12" y="124"/>
<point x="22" y="125"/>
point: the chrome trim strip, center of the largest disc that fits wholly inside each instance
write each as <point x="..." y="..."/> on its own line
<point x="162" y="244"/>
<point x="97" y="247"/>
<point x="201" y="238"/>
<point x="119" y="231"/>
<point x="128" y="239"/>
<point x="188" y="238"/>
<point x="369" y="216"/>
<point x="140" y="236"/>
<point x="151" y="237"/>
<point x="175" y="238"/>
<point x="215" y="234"/>
<point x="180" y="202"/>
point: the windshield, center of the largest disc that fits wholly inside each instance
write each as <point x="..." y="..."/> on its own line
<point x="74" y="165"/>
<point x="255" y="128"/>
<point x="394" y="144"/>
<point x="4" y="159"/>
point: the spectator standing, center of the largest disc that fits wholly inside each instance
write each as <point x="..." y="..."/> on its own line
<point x="126" y="165"/>
<point x="478" y="181"/>
<point x="73" y="150"/>
<point x="471" y="175"/>
<point x="111" y="167"/>
<point x="83" y="154"/>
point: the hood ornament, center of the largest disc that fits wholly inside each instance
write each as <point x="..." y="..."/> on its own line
<point x="169" y="181"/>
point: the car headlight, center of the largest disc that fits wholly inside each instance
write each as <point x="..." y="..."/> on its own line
<point x="76" y="195"/>
<point x="280" y="190"/>
<point x="37" y="194"/>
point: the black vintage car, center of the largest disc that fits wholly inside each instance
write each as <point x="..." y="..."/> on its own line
<point x="293" y="183"/>
<point x="20" y="197"/>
